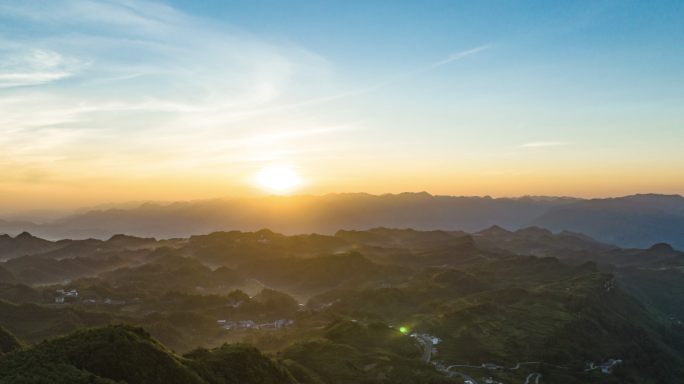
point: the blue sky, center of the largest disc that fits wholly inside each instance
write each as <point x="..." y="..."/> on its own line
<point x="190" y="99"/>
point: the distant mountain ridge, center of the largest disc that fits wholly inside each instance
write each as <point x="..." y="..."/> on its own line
<point x="637" y="221"/>
<point x="295" y="214"/>
<point x="630" y="221"/>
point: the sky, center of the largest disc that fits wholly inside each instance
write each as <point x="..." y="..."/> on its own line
<point x="123" y="100"/>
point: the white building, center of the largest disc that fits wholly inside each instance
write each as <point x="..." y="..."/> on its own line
<point x="230" y="325"/>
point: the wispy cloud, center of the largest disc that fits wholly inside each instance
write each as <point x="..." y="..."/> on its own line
<point x="451" y="58"/>
<point x="545" y="144"/>
<point x="127" y="88"/>
<point x="21" y="67"/>
<point x="144" y="79"/>
<point x="378" y="86"/>
<point x="456" y="56"/>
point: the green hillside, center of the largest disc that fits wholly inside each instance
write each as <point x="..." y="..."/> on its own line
<point x="8" y="342"/>
<point x="330" y="308"/>
<point x="334" y="363"/>
<point x="6" y="277"/>
<point x="123" y="353"/>
<point x="318" y="274"/>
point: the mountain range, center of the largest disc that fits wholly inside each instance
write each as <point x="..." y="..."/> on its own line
<point x="637" y="221"/>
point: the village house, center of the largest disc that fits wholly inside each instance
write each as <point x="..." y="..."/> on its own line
<point x="230" y="325"/>
<point x="72" y="293"/>
<point x="608" y="366"/>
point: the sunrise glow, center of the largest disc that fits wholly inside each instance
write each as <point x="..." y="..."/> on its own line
<point x="279" y="178"/>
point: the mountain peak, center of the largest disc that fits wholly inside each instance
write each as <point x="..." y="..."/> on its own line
<point x="496" y="228"/>
<point x="120" y="238"/>
<point x="662" y="247"/>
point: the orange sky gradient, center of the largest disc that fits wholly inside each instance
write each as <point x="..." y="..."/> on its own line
<point x="586" y="183"/>
<point x="106" y="101"/>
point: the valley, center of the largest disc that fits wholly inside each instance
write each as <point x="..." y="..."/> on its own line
<point x="528" y="305"/>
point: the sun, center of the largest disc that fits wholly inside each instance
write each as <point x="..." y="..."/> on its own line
<point x="278" y="178"/>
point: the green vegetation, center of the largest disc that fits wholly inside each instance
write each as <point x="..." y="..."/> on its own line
<point x="662" y="289"/>
<point x="123" y="353"/>
<point x="334" y="363"/>
<point x="19" y="293"/>
<point x="374" y="336"/>
<point x="41" y="270"/>
<point x="370" y="295"/>
<point x="237" y="363"/>
<point x="318" y="274"/>
<point x="6" y="277"/>
<point x="180" y="321"/>
<point x="235" y="248"/>
<point x="8" y="342"/>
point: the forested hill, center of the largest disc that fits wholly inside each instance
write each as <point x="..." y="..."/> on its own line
<point x="122" y="353"/>
<point x="8" y="342"/>
<point x="381" y="305"/>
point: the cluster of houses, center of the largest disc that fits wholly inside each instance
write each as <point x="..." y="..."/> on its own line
<point x="422" y="337"/>
<point x="74" y="294"/>
<point x="426" y="338"/>
<point x="63" y="294"/>
<point x="250" y="324"/>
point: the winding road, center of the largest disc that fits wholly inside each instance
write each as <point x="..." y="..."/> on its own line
<point x="466" y="377"/>
<point x="428" y="353"/>
<point x="428" y="349"/>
